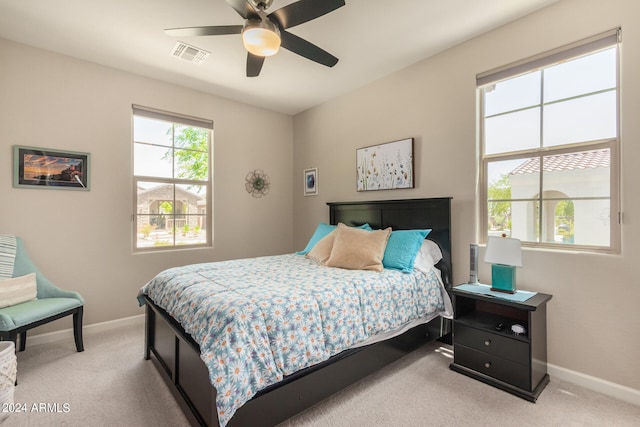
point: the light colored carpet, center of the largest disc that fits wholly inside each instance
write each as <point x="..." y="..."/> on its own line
<point x="110" y="384"/>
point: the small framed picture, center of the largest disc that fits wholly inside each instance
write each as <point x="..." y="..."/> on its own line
<point x="52" y="169"/>
<point x="311" y="182"/>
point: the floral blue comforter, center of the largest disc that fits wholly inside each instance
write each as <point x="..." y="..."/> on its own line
<point x="259" y="319"/>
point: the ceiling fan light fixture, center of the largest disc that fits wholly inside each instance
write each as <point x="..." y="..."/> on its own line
<point x="261" y="38"/>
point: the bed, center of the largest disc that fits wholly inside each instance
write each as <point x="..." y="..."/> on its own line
<point x="177" y="354"/>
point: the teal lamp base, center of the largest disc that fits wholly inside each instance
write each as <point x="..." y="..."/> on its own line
<point x="503" y="278"/>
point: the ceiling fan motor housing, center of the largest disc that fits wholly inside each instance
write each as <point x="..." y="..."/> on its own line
<point x="262" y="4"/>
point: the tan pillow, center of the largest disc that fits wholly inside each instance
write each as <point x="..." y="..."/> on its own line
<point x="358" y="249"/>
<point x="321" y="251"/>
<point x="18" y="289"/>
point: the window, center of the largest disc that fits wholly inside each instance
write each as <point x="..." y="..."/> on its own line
<point x="171" y="180"/>
<point x="549" y="148"/>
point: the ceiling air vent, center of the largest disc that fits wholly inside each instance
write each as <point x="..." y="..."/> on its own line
<point x="189" y="53"/>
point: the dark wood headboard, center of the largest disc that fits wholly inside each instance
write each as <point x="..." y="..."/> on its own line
<point x="403" y="215"/>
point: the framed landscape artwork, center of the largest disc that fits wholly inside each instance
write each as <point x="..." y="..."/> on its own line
<point x="385" y="166"/>
<point x="47" y="168"/>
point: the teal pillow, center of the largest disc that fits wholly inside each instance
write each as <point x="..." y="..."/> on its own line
<point x="322" y="230"/>
<point x="402" y="248"/>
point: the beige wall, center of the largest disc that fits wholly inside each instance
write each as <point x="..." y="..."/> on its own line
<point x="83" y="240"/>
<point x="593" y="317"/>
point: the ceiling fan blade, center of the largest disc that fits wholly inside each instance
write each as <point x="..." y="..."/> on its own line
<point x="254" y="64"/>
<point x="310" y="51"/>
<point x="244" y="8"/>
<point x="303" y="11"/>
<point x="218" y="30"/>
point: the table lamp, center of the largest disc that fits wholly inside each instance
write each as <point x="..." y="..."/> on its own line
<point x="504" y="255"/>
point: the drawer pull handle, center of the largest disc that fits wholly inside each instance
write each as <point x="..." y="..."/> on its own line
<point x="487" y="364"/>
<point x="487" y="342"/>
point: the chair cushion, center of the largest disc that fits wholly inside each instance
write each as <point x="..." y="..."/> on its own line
<point x="33" y="311"/>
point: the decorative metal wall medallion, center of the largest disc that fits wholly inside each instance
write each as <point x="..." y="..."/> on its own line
<point x="257" y="183"/>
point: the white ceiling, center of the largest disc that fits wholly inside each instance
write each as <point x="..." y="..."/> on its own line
<point x="371" y="38"/>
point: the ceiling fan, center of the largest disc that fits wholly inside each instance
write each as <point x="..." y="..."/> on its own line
<point x="263" y="34"/>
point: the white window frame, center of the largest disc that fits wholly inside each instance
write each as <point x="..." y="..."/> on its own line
<point x="173" y="118"/>
<point x="601" y="41"/>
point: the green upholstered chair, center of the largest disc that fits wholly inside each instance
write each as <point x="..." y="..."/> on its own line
<point x="52" y="303"/>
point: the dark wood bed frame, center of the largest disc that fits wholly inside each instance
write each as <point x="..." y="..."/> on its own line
<point x="177" y="356"/>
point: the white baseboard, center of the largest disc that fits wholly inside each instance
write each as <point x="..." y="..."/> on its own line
<point x="95" y="327"/>
<point x="621" y="392"/>
<point x="624" y="393"/>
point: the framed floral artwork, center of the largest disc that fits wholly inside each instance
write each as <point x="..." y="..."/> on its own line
<point x="386" y="166"/>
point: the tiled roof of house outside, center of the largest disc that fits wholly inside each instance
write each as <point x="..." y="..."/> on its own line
<point x="562" y="162"/>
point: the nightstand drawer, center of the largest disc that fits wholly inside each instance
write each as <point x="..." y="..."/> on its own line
<point x="489" y="364"/>
<point x="491" y="343"/>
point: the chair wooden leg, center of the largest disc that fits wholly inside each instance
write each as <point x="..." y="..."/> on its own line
<point x="77" y="329"/>
<point x="23" y="340"/>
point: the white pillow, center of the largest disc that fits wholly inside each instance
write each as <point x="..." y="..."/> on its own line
<point x="428" y="256"/>
<point x="18" y="289"/>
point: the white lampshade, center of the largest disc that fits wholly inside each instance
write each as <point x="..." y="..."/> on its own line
<point x="261" y="38"/>
<point x="503" y="250"/>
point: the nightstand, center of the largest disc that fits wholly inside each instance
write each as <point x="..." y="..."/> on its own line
<point x="485" y="348"/>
